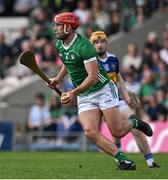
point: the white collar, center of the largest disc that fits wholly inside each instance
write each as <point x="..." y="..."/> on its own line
<point x="70" y="44"/>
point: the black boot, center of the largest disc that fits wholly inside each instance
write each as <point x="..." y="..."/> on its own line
<point x="126" y="165"/>
<point x="141" y="125"/>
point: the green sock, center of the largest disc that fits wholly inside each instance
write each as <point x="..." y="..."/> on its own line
<point x="133" y="120"/>
<point x="120" y="156"/>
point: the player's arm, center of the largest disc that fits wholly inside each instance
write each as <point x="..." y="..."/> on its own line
<point x="129" y="97"/>
<point x="62" y="73"/>
<point x="122" y="89"/>
<point x="60" y="76"/>
<point x="92" y="78"/>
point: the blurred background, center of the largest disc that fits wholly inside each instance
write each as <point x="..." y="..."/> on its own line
<point x="31" y="115"/>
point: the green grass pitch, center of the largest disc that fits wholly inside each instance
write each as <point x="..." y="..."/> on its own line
<point x="75" y="165"/>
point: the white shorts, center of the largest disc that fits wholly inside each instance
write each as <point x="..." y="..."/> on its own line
<point x="104" y="98"/>
<point x="122" y="105"/>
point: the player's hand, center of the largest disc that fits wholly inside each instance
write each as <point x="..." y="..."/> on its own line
<point x="53" y="83"/>
<point x="67" y="97"/>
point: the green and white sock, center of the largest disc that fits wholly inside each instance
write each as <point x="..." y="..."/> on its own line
<point x="133" y="120"/>
<point x="120" y="156"/>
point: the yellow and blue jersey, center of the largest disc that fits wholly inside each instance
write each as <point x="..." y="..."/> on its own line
<point x="111" y="65"/>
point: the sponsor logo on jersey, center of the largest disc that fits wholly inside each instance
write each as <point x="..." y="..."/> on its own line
<point x="72" y="56"/>
<point x="106" y="67"/>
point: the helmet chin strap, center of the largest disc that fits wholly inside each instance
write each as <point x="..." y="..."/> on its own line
<point x="65" y="31"/>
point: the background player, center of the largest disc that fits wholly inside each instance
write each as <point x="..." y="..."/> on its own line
<point x="111" y="64"/>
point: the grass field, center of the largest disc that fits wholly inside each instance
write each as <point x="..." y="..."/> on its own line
<point x="75" y="165"/>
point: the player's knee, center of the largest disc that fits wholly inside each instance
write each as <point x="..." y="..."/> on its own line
<point x="91" y="134"/>
<point x="117" y="134"/>
<point x="117" y="131"/>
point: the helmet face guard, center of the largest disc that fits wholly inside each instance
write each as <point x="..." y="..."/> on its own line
<point x="67" y="18"/>
<point x="98" y="35"/>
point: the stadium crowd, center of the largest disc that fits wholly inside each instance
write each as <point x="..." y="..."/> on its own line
<point x="145" y="72"/>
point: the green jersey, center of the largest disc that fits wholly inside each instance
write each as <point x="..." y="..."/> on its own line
<point x="74" y="56"/>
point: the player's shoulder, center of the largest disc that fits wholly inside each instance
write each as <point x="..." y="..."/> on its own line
<point x="85" y="46"/>
<point x="83" y="40"/>
<point x="111" y="55"/>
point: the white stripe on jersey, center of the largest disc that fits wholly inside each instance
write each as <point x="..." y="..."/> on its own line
<point x="90" y="60"/>
<point x="101" y="78"/>
<point x="102" y="81"/>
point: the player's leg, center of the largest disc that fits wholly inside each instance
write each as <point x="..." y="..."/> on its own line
<point x="117" y="127"/>
<point x="90" y="121"/>
<point x="114" y="123"/>
<point x="117" y="142"/>
<point x="143" y="146"/>
<point x="122" y="107"/>
<point x="90" y="117"/>
<point x="140" y="138"/>
<point x="108" y="102"/>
